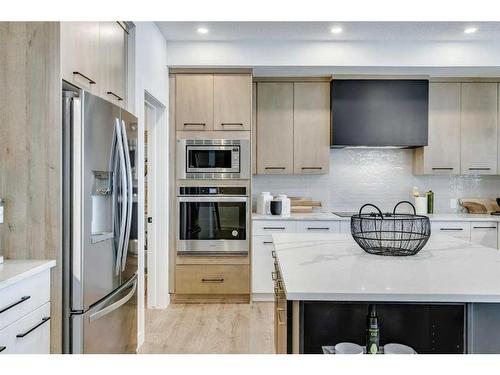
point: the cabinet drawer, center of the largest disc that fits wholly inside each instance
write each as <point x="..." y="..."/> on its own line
<point x="317" y="226"/>
<point x="261" y="227"/>
<point x="28" y="335"/>
<point x="345" y="227"/>
<point x="212" y="279"/>
<point x="23" y="297"/>
<point x="452" y="228"/>
<point x="484" y="233"/>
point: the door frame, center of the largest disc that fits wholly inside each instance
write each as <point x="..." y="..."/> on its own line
<point x="157" y="149"/>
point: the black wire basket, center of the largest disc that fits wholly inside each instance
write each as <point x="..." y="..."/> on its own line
<point x="390" y="234"/>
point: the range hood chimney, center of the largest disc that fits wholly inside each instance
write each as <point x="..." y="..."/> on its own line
<point x="379" y="113"/>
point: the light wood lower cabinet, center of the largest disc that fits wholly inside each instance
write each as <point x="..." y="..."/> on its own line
<point x="212" y="279"/>
<point x="311" y="127"/>
<point x="442" y="154"/>
<point x="275" y="128"/>
<point x="479" y="134"/>
<point x="232" y="101"/>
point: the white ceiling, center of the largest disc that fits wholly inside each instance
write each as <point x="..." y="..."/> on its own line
<point x="320" y="31"/>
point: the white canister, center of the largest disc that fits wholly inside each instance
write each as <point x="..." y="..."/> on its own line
<point x="264" y="203"/>
<point x="421" y="205"/>
<point x="286" y="206"/>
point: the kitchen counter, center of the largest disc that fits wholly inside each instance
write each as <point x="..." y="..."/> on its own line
<point x="12" y="271"/>
<point x="332" y="267"/>
<point x="330" y="216"/>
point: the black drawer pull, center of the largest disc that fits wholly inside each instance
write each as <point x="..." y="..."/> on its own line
<point x="216" y="280"/>
<point x="116" y="96"/>
<point x="312" y="168"/>
<point x="267" y="242"/>
<point x="2" y="348"/>
<point x="91" y="81"/>
<point x="21" y="335"/>
<point x="275" y="228"/>
<point x="442" y="169"/>
<point x="194" y="124"/>
<point x="484" y="227"/>
<point x="318" y="228"/>
<point x="274" y="168"/>
<point x="232" y="124"/>
<point x="479" y="169"/>
<point x="4" y="309"/>
<point x="451" y="229"/>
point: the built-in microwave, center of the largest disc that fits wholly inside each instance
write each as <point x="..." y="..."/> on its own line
<point x="213" y="159"/>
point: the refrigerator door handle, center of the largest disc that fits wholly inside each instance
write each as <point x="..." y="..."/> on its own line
<point x="130" y="197"/>
<point x="116" y="305"/>
<point x="123" y="176"/>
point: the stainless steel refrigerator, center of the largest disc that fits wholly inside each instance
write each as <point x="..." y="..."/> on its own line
<point x="99" y="258"/>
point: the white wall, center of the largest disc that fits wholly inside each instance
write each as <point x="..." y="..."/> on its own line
<point x="148" y="64"/>
<point x="334" y="54"/>
<point x="381" y="177"/>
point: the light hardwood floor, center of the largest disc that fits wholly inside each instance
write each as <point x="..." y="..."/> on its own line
<point x="210" y="328"/>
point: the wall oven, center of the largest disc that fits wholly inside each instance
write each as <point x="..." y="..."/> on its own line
<point x="213" y="159"/>
<point x="212" y="220"/>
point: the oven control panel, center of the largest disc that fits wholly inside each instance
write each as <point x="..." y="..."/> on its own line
<point x="208" y="190"/>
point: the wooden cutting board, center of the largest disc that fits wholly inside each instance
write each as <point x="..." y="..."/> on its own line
<point x="480" y="205"/>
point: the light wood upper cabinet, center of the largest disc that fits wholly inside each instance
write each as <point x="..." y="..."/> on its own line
<point x="311" y="124"/>
<point x="275" y="128"/>
<point x="479" y="134"/>
<point x="112" y="52"/>
<point x="442" y="155"/>
<point x="194" y="102"/>
<point x="254" y="128"/>
<point x="232" y="101"/>
<point x="80" y="54"/>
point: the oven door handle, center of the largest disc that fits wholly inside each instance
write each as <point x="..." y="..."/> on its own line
<point x="212" y="199"/>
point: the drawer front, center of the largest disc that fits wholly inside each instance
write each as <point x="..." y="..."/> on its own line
<point x="23" y="297"/>
<point x="212" y="279"/>
<point x="266" y="227"/>
<point x="484" y="233"/>
<point x="345" y="227"/>
<point x="318" y="226"/>
<point x="458" y="229"/>
<point x="262" y="264"/>
<point x="28" y="335"/>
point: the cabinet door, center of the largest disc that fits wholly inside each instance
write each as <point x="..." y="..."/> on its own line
<point x="442" y="155"/>
<point x="194" y="101"/>
<point x="262" y="266"/>
<point x="311" y="124"/>
<point x="484" y="233"/>
<point x="112" y="46"/>
<point x="479" y="137"/>
<point x="275" y="128"/>
<point x="254" y="128"/>
<point x="232" y="102"/>
<point x="80" y="54"/>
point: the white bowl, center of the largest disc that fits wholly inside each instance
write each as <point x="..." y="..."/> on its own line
<point x="348" y="348"/>
<point x="398" y="349"/>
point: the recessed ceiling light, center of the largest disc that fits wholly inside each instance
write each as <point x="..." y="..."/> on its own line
<point x="470" y="30"/>
<point x="336" y="30"/>
<point x="202" y="30"/>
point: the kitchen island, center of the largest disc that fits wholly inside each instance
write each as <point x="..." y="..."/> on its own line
<point x="445" y="299"/>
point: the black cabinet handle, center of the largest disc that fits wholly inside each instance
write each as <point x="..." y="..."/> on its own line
<point x="312" y="167"/>
<point x="44" y="320"/>
<point x="194" y="124"/>
<point x="451" y="229"/>
<point x="442" y="169"/>
<point x="317" y="228"/>
<point x="274" y="228"/>
<point x="479" y="169"/>
<point x="91" y="81"/>
<point x="484" y="227"/>
<point x="275" y="168"/>
<point x="267" y="242"/>
<point x="232" y="124"/>
<point x="216" y="280"/>
<point x="8" y="307"/>
<point x="116" y="96"/>
<point x="2" y="348"/>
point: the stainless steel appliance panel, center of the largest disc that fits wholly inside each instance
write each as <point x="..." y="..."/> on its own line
<point x="110" y="326"/>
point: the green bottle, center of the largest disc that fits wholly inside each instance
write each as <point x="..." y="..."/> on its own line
<point x="430" y="202"/>
<point x="372" y="331"/>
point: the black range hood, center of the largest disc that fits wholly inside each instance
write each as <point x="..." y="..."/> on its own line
<point x="379" y="112"/>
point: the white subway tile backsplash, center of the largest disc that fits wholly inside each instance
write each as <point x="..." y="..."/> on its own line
<point x="379" y="176"/>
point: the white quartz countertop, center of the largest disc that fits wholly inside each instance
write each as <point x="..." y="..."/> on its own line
<point x="12" y="271"/>
<point x="331" y="216"/>
<point x="332" y="267"/>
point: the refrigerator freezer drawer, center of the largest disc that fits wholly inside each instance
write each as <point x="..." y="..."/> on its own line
<point x="110" y="326"/>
